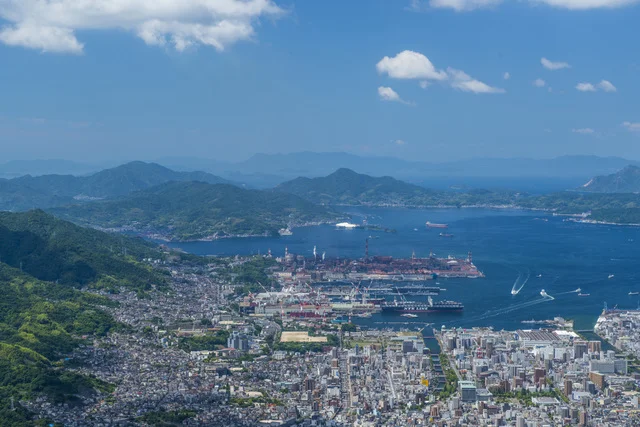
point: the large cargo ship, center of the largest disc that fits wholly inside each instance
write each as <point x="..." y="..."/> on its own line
<point x="421" y="307"/>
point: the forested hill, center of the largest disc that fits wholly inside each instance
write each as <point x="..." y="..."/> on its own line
<point x="348" y="187"/>
<point x="28" y="192"/>
<point x="626" y="180"/>
<point x="197" y="210"/>
<point x="53" y="250"/>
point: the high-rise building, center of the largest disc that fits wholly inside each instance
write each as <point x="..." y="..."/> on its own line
<point x="239" y="341"/>
<point x="598" y="379"/>
<point x="568" y="387"/>
<point x="595" y="346"/>
<point x="467" y="391"/>
<point x="579" y="349"/>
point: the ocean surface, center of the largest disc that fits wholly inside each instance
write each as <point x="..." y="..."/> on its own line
<point x="525" y="250"/>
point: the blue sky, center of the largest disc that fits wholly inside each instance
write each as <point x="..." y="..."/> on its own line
<point x="226" y="78"/>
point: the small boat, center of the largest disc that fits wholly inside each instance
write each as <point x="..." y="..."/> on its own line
<point x="578" y="290"/>
<point x="611" y="276"/>
<point x="583" y="295"/>
<point x="409" y="315"/>
<point x="634" y="293"/>
<point x="446" y="235"/>
<point x="434" y="225"/>
<point x="544" y="293"/>
<point x="539" y="275"/>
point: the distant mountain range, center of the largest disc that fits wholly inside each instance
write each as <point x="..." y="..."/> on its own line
<point x="198" y="210"/>
<point x="268" y="170"/>
<point x="626" y="180"/>
<point x="29" y="192"/>
<point x="265" y="170"/>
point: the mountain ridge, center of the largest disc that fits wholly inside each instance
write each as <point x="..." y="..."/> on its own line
<point x="45" y="191"/>
<point x="626" y="180"/>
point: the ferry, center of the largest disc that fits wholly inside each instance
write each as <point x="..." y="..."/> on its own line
<point x="434" y="225"/>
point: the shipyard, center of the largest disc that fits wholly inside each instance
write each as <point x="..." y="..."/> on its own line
<point x="326" y="289"/>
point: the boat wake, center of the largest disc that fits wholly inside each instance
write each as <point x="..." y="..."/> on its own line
<point x="517" y="286"/>
<point x="505" y="310"/>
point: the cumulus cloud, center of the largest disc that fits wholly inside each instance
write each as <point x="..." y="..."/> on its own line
<point x="462" y="81"/>
<point x="604" y="85"/>
<point x="463" y="5"/>
<point x="633" y="127"/>
<point x="506" y="76"/>
<point x="539" y="83"/>
<point x="607" y="86"/>
<point x="583" y="131"/>
<point x="409" y="65"/>
<point x="586" y="4"/>
<point x="51" y="25"/>
<point x="388" y="94"/>
<point x="551" y="65"/>
<point x="585" y="87"/>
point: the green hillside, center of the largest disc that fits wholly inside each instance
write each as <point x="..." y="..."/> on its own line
<point x="196" y="210"/>
<point x="43" y="313"/>
<point x="54" y="250"/>
<point x="29" y="192"/>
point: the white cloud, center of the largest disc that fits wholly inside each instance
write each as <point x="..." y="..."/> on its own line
<point x="414" y="65"/>
<point x="607" y="86"/>
<point x="51" y="25"/>
<point x="604" y="85"/>
<point x="586" y="4"/>
<point x="506" y="76"/>
<point x="585" y="87"/>
<point x="550" y="65"/>
<point x="409" y="65"/>
<point x="468" y="5"/>
<point x="583" y="131"/>
<point x="388" y="94"/>
<point x="634" y="127"/>
<point x="399" y="142"/>
<point x="44" y="38"/>
<point x="539" y="83"/>
<point x="463" y="5"/>
<point x="462" y="81"/>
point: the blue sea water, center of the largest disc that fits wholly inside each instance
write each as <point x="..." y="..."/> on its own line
<point x="507" y="246"/>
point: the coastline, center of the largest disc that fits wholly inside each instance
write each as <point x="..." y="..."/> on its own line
<point x="164" y="237"/>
